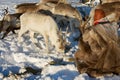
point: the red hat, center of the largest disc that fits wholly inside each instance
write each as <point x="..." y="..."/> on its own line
<point x="99" y="13"/>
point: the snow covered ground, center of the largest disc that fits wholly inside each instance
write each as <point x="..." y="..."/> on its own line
<point x="18" y="59"/>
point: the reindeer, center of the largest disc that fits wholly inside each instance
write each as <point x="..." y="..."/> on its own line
<point x="44" y="25"/>
<point x="113" y="15"/>
<point x="26" y="7"/>
<point x="10" y="22"/>
<point x="33" y="7"/>
<point x="25" y="4"/>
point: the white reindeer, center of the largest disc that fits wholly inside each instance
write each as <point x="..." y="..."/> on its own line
<point x="43" y="24"/>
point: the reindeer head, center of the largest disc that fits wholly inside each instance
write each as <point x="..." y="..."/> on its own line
<point x="62" y="45"/>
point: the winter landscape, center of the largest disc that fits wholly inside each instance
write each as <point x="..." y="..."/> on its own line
<point x="25" y="61"/>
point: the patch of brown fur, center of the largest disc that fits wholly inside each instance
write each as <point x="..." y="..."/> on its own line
<point x="45" y="1"/>
<point x="25" y="4"/>
<point x="53" y="1"/>
<point x="67" y="10"/>
<point x="26" y="8"/>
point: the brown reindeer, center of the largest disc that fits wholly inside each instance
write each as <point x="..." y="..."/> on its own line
<point x="113" y="15"/>
<point x="10" y="22"/>
<point x="22" y="8"/>
<point x="25" y="4"/>
<point x="26" y="7"/>
<point x="34" y="7"/>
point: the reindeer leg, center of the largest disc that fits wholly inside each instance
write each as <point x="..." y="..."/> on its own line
<point x="34" y="40"/>
<point x="13" y="32"/>
<point x="46" y="42"/>
<point x="32" y="37"/>
<point x="5" y="34"/>
<point x="21" y="32"/>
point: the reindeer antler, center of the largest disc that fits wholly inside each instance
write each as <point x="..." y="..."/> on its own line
<point x="65" y="33"/>
<point x="5" y="12"/>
